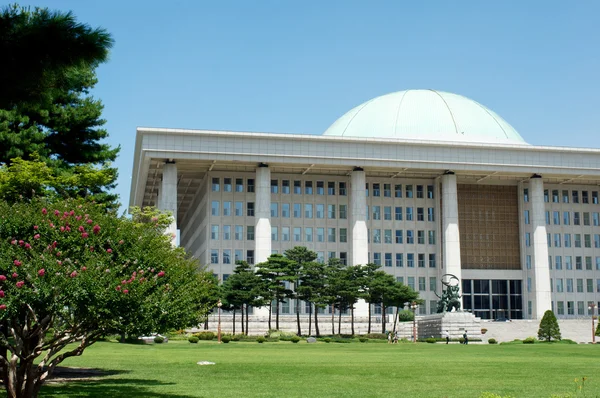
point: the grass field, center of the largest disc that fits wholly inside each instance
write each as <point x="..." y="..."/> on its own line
<point x="283" y="369"/>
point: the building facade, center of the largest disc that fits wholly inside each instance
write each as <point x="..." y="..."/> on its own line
<point x="424" y="183"/>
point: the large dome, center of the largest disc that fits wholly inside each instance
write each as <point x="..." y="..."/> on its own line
<point x="425" y="115"/>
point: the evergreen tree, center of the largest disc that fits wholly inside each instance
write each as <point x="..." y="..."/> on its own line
<point x="273" y="274"/>
<point x="299" y="257"/>
<point x="549" y="328"/>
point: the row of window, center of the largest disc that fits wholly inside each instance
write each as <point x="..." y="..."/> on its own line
<point x="558" y="195"/>
<point x="566" y="218"/>
<point x="398" y="259"/>
<point x="321" y="187"/>
<point x="238" y="255"/>
<point x="581" y="306"/>
<point x="558" y="240"/>
<point x="579" y="286"/>
<point x="568" y="262"/>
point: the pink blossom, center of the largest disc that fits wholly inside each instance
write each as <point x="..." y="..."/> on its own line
<point x="134" y="273"/>
<point x="84" y="268"/>
<point x="84" y="235"/>
<point x="44" y="211"/>
<point x="54" y="244"/>
<point x="91" y="248"/>
<point x="13" y="242"/>
<point x="118" y="288"/>
<point x="109" y="250"/>
<point x="66" y="214"/>
<point x="35" y="227"/>
<point x="36" y="236"/>
<point x="2" y="306"/>
<point x="17" y="263"/>
<point x="78" y="218"/>
<point x="42" y="272"/>
<point x="96" y="229"/>
<point x="73" y="274"/>
<point x="59" y="262"/>
<point x="89" y="221"/>
<point x="20" y="284"/>
<point x="161" y="274"/>
<point x="154" y="219"/>
<point x="21" y="242"/>
<point x="68" y="228"/>
<point x="121" y="241"/>
<point x="123" y="282"/>
<point x="81" y="228"/>
<point x="58" y="254"/>
<point x="125" y="291"/>
<point x="72" y="213"/>
<point x="51" y="225"/>
<point x="27" y="246"/>
<point x="56" y="213"/>
<point x="2" y="278"/>
<point x="107" y="271"/>
<point x="62" y="229"/>
<point x="1" y="293"/>
<point x="14" y="275"/>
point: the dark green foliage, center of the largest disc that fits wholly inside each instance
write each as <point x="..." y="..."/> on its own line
<point x="379" y="336"/>
<point x="549" y="329"/>
<point x="327" y="339"/>
<point x="363" y="339"/>
<point x="598" y="329"/>
<point x="205" y="335"/>
<point x="159" y="339"/>
<point x="492" y="341"/>
<point x="406" y="316"/>
<point x="529" y="340"/>
<point x="431" y="340"/>
<point x="260" y="339"/>
<point x="295" y="339"/>
<point x="225" y="339"/>
<point x="193" y="339"/>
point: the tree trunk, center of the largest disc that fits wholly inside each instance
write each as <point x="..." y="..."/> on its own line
<point x="247" y="316"/>
<point x="277" y="314"/>
<point x="369" y="329"/>
<point x="234" y="321"/>
<point x="352" y="319"/>
<point x="396" y="319"/>
<point x="309" y="318"/>
<point x="317" y="322"/>
<point x="332" y="319"/>
<point x="298" y="317"/>
<point x="270" y="312"/>
<point x="340" y="321"/>
<point x="383" y="315"/>
<point x="242" y="311"/>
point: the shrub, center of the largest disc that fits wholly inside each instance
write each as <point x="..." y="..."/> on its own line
<point x="327" y="339"/>
<point x="430" y="340"/>
<point x="461" y="340"/>
<point x="342" y="340"/>
<point x="159" y="339"/>
<point x="376" y="336"/>
<point x="529" y="340"/>
<point x="244" y="337"/>
<point x="492" y="341"/>
<point x="549" y="328"/>
<point x="568" y="341"/>
<point x="363" y="339"/>
<point x="406" y="316"/>
<point x="205" y="335"/>
<point x="261" y="339"/>
<point x="225" y="339"/>
<point x="295" y="339"/>
<point x="235" y="337"/>
<point x="193" y="339"/>
<point x="483" y="331"/>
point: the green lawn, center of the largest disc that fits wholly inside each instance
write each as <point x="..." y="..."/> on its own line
<point x="283" y="369"/>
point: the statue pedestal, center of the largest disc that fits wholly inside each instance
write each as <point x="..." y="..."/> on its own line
<point x="454" y="322"/>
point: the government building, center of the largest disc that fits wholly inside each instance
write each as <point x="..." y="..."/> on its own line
<point x="422" y="182"/>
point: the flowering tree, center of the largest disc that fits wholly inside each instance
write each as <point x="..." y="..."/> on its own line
<point x="72" y="273"/>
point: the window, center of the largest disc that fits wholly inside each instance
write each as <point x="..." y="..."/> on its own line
<point x="226" y="184"/>
<point x="376" y="213"/>
<point x="420" y="214"/>
<point x="320" y="188"/>
<point x="398" y="190"/>
<point x="226" y="208"/>
<point x="559" y="285"/>
<point x="527" y="239"/>
<point x="409" y="214"/>
<point x="568" y="262"/>
<point x="387" y="213"/>
<point x="560" y="307"/>
<point x="344" y="258"/>
<point x="549" y="236"/>
<point x="250" y="256"/>
<point x="546" y="198"/>
<point x="430" y="214"/>
<point x="376" y="236"/>
<point x="250" y="209"/>
<point x="588" y="263"/>
<point x="567" y="240"/>
<point x="421" y="283"/>
<point x="421" y="259"/>
<point x="411" y="282"/>
<point x="528" y="261"/>
<point x="586" y="218"/>
<point x="342" y="188"/>
<point x="367" y="189"/>
<point x="565" y="196"/>
<point x="547" y="218"/>
<point x="409" y="191"/>
<point x="597" y="241"/>
<point x="297" y="234"/>
<point x="274" y="234"/>
<point x="297" y="187"/>
<point x="387" y="236"/>
<point x="398" y="213"/>
<point x="421" y="237"/>
<point x="587" y="240"/>
<point x="388" y="259"/>
<point x="569" y="285"/>
<point x="570" y="308"/>
<point x="226" y="232"/>
<point x="214" y="256"/>
<point x="579" y="285"/>
<point x="285" y="210"/>
<point x="596" y="219"/>
<point x="580" y="309"/>
<point x="308" y="234"/>
<point x="420" y="192"/>
<point x="274" y="209"/>
<point x="297" y="210"/>
<point x="308" y="188"/>
<point x="589" y="285"/>
<point x="331" y="235"/>
<point x="584" y="197"/>
<point x="597" y="263"/>
<point x="566" y="218"/>
<point x="577" y="240"/>
<point x="387" y="190"/>
<point x="432" y="283"/>
<point x="285" y="186"/>
<point x="555" y="196"/>
<point x="432" y="263"/>
<point x="320" y="234"/>
<point x="239" y="232"/>
<point x="575" y="196"/>
<point x="331" y="188"/>
<point x="557" y="240"/>
<point x="214" y="232"/>
<point x="214" y="208"/>
<point x="377" y="258"/>
<point x="429" y="191"/>
<point x="216" y="184"/>
<point x="376" y="190"/>
<point x="578" y="263"/>
<point x="343" y="212"/>
<point x="410" y="261"/>
<point x="226" y="256"/>
<point x="285" y="234"/>
<point x="239" y="209"/>
<point x="239" y="185"/>
<point x="237" y="255"/>
<point x="331" y="212"/>
<point x="308" y="210"/>
<point x="274" y="186"/>
<point x="399" y="238"/>
<point x="320" y="210"/>
<point x="556" y="217"/>
<point x="250" y="232"/>
<point x="343" y="235"/>
<point x="526" y="195"/>
<point x="399" y="260"/>
<point x="410" y="238"/>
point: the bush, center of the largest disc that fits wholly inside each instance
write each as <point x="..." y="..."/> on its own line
<point x="492" y="341"/>
<point x="159" y="339"/>
<point x="193" y="339"/>
<point x="225" y="339"/>
<point x="363" y="339"/>
<point x="261" y="339"/>
<point x="461" y="340"/>
<point x="568" y="341"/>
<point x="406" y="316"/>
<point x="235" y="337"/>
<point x="205" y="335"/>
<point x="295" y="339"/>
<point x="549" y="329"/>
<point x="431" y="340"/>
<point x="244" y="337"/>
<point x="342" y="340"/>
<point x="529" y="340"/>
<point x="376" y="336"/>
<point x="327" y="339"/>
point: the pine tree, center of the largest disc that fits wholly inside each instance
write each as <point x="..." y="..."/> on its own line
<point x="549" y="328"/>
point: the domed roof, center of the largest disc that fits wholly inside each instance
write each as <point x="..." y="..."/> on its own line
<point x="425" y="115"/>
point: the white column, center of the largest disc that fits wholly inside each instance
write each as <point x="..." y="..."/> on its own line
<point x="262" y="230"/>
<point x="541" y="269"/>
<point x="168" y="197"/>
<point x="358" y="217"/>
<point x="451" y="246"/>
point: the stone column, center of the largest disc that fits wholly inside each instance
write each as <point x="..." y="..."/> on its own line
<point x="262" y="214"/>
<point x="168" y="196"/>
<point x="451" y="245"/>
<point x="541" y="269"/>
<point x="358" y="218"/>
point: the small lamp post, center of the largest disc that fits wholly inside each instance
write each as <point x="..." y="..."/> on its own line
<point x="219" y="304"/>
<point x="413" y="306"/>
<point x="592" y="307"/>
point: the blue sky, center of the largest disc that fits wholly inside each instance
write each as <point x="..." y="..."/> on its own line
<point x="296" y="66"/>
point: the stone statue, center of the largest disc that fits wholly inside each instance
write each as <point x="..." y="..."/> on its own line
<point x="450" y="299"/>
